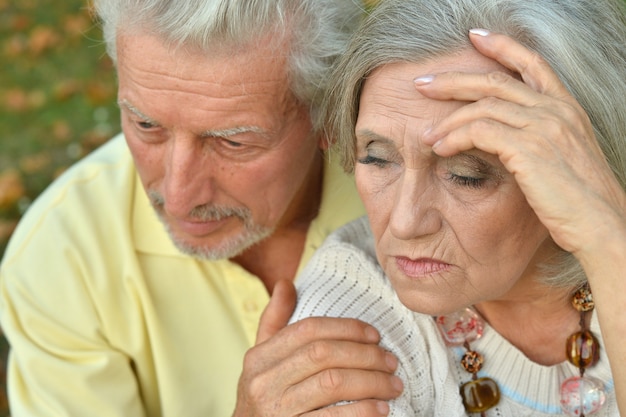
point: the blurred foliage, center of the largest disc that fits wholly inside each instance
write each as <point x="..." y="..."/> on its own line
<point x="57" y="103"/>
<point x="57" y="97"/>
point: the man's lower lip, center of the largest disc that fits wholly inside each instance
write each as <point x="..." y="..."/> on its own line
<point x="199" y="228"/>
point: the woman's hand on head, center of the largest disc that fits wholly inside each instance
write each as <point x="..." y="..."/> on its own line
<point x="539" y="132"/>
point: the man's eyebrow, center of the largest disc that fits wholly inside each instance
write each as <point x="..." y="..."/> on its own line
<point x="227" y="133"/>
<point x="135" y="110"/>
<point x="218" y="133"/>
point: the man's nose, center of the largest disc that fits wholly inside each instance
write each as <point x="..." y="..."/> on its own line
<point x="188" y="178"/>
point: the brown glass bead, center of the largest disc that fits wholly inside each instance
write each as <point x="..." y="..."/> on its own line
<point x="582" y="349"/>
<point x="480" y="395"/>
<point x="472" y="361"/>
<point x="582" y="300"/>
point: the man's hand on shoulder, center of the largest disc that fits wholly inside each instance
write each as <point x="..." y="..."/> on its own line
<point x="296" y="369"/>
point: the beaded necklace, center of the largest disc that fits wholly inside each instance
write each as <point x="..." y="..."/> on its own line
<point x="580" y="395"/>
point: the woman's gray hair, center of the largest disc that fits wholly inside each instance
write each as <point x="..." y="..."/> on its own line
<point x="317" y="30"/>
<point x="584" y="41"/>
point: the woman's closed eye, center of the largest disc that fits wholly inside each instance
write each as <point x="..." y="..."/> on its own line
<point x="373" y="160"/>
<point x="471" y="182"/>
<point x="470" y="171"/>
<point x="379" y="154"/>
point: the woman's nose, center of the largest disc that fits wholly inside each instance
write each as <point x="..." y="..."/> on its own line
<point x="415" y="211"/>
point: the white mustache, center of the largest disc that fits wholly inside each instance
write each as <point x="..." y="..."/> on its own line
<point x="205" y="212"/>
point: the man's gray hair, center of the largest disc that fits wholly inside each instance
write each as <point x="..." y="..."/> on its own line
<point x="584" y="41"/>
<point x="317" y="31"/>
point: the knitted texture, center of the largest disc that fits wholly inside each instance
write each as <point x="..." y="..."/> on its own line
<point x="343" y="279"/>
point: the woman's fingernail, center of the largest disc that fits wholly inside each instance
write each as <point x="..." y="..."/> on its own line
<point x="479" y="32"/>
<point x="424" y="79"/>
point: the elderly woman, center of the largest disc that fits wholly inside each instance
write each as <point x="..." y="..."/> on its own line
<point x="488" y="143"/>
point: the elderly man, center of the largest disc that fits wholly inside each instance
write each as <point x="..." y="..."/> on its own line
<point x="135" y="285"/>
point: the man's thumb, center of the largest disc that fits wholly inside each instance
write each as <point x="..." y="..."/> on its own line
<point x="278" y="311"/>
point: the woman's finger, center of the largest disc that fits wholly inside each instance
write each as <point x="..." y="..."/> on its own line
<point x="473" y="86"/>
<point x="561" y="123"/>
<point x="533" y="69"/>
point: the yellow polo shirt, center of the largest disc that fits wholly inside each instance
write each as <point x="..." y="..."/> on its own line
<point x="107" y="318"/>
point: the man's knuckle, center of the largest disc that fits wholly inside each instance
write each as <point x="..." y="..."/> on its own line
<point x="257" y="388"/>
<point x="319" y="352"/>
<point x="331" y="380"/>
<point x="249" y="359"/>
<point x="306" y="327"/>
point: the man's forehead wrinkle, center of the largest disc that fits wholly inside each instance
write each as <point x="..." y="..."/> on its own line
<point x="222" y="79"/>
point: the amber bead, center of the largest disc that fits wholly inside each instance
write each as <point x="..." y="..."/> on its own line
<point x="582" y="349"/>
<point x="582" y="300"/>
<point x="472" y="361"/>
<point x="480" y="395"/>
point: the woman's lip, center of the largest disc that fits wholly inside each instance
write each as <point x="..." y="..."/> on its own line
<point x="420" y="267"/>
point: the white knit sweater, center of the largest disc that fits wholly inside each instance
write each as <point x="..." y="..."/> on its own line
<point x="343" y="279"/>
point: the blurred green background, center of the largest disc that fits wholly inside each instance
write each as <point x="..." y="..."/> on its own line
<point x="57" y="97"/>
<point x="57" y="103"/>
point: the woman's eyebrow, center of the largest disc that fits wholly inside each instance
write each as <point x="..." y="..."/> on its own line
<point x="370" y="135"/>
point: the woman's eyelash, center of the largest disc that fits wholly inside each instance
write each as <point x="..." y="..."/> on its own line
<point x="477" y="181"/>
<point x="372" y="160"/>
<point x="468" y="181"/>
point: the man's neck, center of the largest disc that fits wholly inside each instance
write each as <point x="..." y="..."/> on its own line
<point x="278" y="257"/>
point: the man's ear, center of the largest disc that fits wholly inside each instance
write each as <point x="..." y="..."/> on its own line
<point x="324" y="141"/>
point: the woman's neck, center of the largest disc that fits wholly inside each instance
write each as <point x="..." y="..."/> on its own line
<point x="537" y="325"/>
